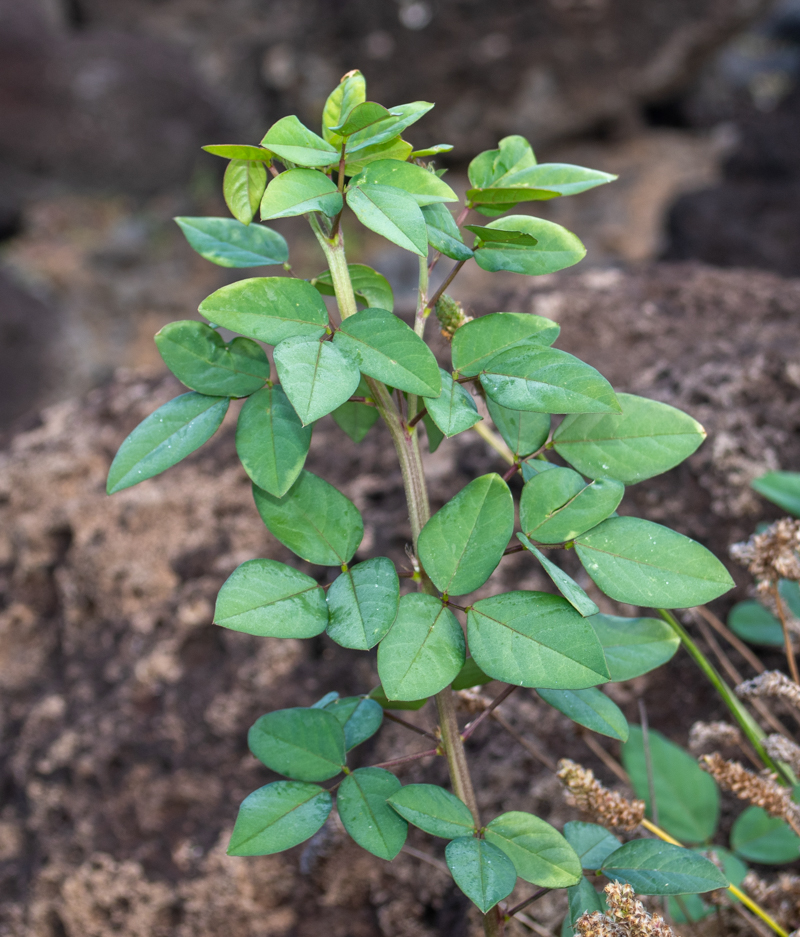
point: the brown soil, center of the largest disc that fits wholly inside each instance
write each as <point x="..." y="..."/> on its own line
<point x="123" y="730"/>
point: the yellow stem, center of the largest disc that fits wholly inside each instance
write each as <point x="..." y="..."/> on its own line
<point x="495" y="442"/>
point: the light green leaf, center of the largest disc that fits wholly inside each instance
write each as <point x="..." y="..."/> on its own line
<point x="239" y="151"/>
<point x="278" y="816"/>
<point x="384" y="347"/>
<point x="556" y="249"/>
<point x="501" y="236"/>
<point x="356" y="419"/>
<point x="443" y="233"/>
<point x="423" y="186"/>
<point x="379" y="695"/>
<point x="523" y="430"/>
<point x="268" y="308"/>
<point x="547" y="380"/>
<point x="361" y="802"/>
<point x="395" y="148"/>
<point x="642" y="563"/>
<point x="463" y="542"/>
<point x="435" y="435"/>
<point x="165" y="437"/>
<point x="687" y="797"/>
<point x="454" y="410"/>
<point x="536" y="466"/>
<point x="565" y="584"/>
<point x="537" y="183"/>
<point x="199" y="357"/>
<point x="539" y="852"/>
<point x="535" y="639"/>
<point x="781" y="488"/>
<point x="593" y="843"/>
<point x="403" y="116"/>
<point x="646" y="439"/>
<point x="469" y="676"/>
<point x="476" y="343"/>
<point x="271" y="442"/>
<point x="514" y="153"/>
<point x="313" y="520"/>
<point x="423" y="651"/>
<point x="558" y="506"/>
<point x="323" y="701"/>
<point x="363" y="603"/>
<point x="758" y="837"/>
<point x="360" y="718"/>
<point x="756" y="624"/>
<point x="434" y="810"/>
<point x="361" y="116"/>
<point x="298" y="191"/>
<point x="289" y="140"/>
<point x="228" y="243"/>
<point x="391" y="213"/>
<point x="349" y="93"/>
<point x="304" y="744"/>
<point x="432" y="150"/>
<point x="634" y="646"/>
<point x="590" y="708"/>
<point x="370" y="287"/>
<point x="269" y="599"/>
<point x="482" y="871"/>
<point x="243" y="186"/>
<point x="315" y="375"/>
<point x="652" y="867"/>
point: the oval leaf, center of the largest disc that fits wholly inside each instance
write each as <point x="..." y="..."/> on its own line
<point x="482" y="871"/>
<point x="313" y="520"/>
<point x="758" y="837"/>
<point x="289" y="140"/>
<point x="781" y="488"/>
<point x="363" y="603"/>
<point x="652" y="867"/>
<point x="565" y="584"/>
<point x="425" y="187"/>
<point x="165" y="437"/>
<point x="278" y="816"/>
<point x="298" y="191"/>
<point x="391" y="213"/>
<point x="355" y="419"/>
<point x="243" y="186"/>
<point x="349" y="93"/>
<point x="359" y="718"/>
<point x="361" y="802"/>
<point x="557" y="506"/>
<point x="434" y="810"/>
<point x="754" y="623"/>
<point x="269" y="599"/>
<point x="239" y="151"/>
<point x="593" y="843"/>
<point x="589" y="708"/>
<point x="454" y="410"/>
<point x="315" y="375"/>
<point x="463" y="542"/>
<point x="304" y="744"/>
<point x="523" y="430"/>
<point x="443" y="233"/>
<point x="633" y="646"/>
<point x="362" y="115"/>
<point x="642" y="563"/>
<point x="539" y="852"/>
<point x="228" y="243"/>
<point x="423" y="651"/>
<point x="403" y="115"/>
<point x="556" y="247"/>
<point x="477" y="342"/>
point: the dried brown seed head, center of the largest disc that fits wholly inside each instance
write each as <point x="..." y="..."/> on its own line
<point x="771" y="555"/>
<point x="707" y="736"/>
<point x="770" y="683"/>
<point x="607" y="807"/>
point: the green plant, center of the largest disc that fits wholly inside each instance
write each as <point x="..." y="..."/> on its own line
<point x="367" y="364"/>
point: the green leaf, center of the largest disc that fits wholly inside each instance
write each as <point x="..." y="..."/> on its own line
<point x="243" y="186"/>
<point x="476" y="343"/>
<point x="360" y="718"/>
<point x="313" y="520"/>
<point x="590" y="708"/>
<point x="278" y="816"/>
<point x="298" y="191"/>
<point x="646" y="439"/>
<point x="484" y="233"/>
<point x="634" y="646"/>
<point x="535" y="639"/>
<point x="361" y="116"/>
<point x="435" y="435"/>
<point x="482" y="871"/>
<point x="432" y="150"/>
<point x="379" y="695"/>
<point x="454" y="410"/>
<point x="289" y="140"/>
<point x="582" y="899"/>
<point x="547" y="380"/>
<point x="565" y="584"/>
<point x="523" y="430"/>
<point x="304" y="744"/>
<point x="443" y="233"/>
<point x="537" y="183"/>
<point x="391" y="213"/>
<point x="271" y="442"/>
<point x="403" y="116"/>
<point x="687" y="797"/>
<point x="781" y="488"/>
<point x="370" y="287"/>
<point x="652" y="867"/>
<point x="361" y="802"/>
<point x="535" y="466"/>
<point x="165" y="437"/>
<point x="539" y="852"/>
<point x="356" y="419"/>
<point x="269" y="599"/>
<point x="228" y="243"/>
<point x="790" y="593"/>
<point x="556" y="249"/>
<point x="697" y="909"/>
<point x="199" y="357"/>
<point x="239" y="151"/>
<point x="469" y="676"/>
<point x="463" y="542"/>
<point x="642" y="563"/>
<point x="593" y="843"/>
<point x="395" y="148"/>
<point x="423" y="186"/>
<point x="349" y="93"/>
<point x="758" y="837"/>
<point x="756" y="624"/>
<point x="315" y="375"/>
<point x="268" y="308"/>
<point x="434" y="810"/>
<point x="384" y="347"/>
<point x="423" y="651"/>
<point x="514" y="153"/>
<point x="557" y="506"/>
<point x="363" y="603"/>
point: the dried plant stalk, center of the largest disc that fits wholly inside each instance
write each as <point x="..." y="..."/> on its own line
<point x="626" y="917"/>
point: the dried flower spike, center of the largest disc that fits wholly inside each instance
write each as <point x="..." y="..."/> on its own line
<point x="771" y="555"/>
<point x="707" y="736"/>
<point x="608" y="807"/>
<point x="451" y="315"/>
<point x="626" y="917"/>
<point x="771" y="683"/>
<point x="781" y="897"/>
<point x="780" y="748"/>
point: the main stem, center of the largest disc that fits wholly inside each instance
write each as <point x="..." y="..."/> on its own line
<point x="407" y="445"/>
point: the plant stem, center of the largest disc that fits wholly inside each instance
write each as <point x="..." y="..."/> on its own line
<point x="468" y="730"/>
<point x="407" y="758"/>
<point x="448" y="280"/>
<point x="410" y="725"/>
<point x="422" y="298"/>
<point x="524" y="904"/>
<point x="495" y="441"/>
<point x="787" y="638"/>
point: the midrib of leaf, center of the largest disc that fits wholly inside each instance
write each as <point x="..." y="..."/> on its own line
<point x="383" y="355"/>
<point x="299" y="748"/>
<point x="371" y="812"/>
<point x="349" y="574"/>
<point x="596" y="439"/>
<point x="283" y="598"/>
<point x="282" y="817"/>
<point x="664" y="569"/>
<point x="421" y="647"/>
<point x="469" y="538"/>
